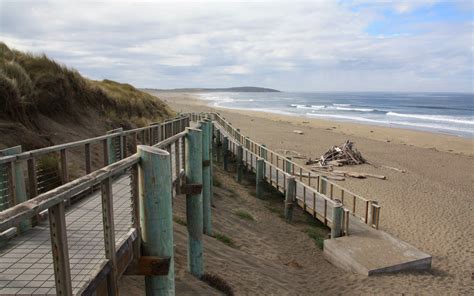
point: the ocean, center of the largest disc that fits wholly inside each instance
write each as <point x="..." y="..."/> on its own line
<point x="447" y="113"/>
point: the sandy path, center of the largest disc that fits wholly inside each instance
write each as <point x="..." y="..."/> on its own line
<point x="429" y="206"/>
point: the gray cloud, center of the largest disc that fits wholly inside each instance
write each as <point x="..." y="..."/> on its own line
<point x="293" y="46"/>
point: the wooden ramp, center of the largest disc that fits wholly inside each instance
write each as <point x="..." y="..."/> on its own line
<point x="369" y="251"/>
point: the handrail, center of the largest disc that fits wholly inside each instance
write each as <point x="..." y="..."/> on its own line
<point x="54" y="148"/>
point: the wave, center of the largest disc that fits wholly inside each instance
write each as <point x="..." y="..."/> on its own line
<point x="342" y="105"/>
<point x="338" y="107"/>
<point x="440" y="118"/>
<point x="355" y="109"/>
<point x="387" y="122"/>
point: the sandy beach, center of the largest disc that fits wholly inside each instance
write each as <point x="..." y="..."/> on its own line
<point x="429" y="205"/>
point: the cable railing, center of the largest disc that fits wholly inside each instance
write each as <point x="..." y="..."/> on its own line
<point x="116" y="207"/>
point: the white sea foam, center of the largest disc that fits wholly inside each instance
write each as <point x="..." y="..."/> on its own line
<point x="342" y="105"/>
<point x="440" y="118"/>
<point x="355" y="109"/>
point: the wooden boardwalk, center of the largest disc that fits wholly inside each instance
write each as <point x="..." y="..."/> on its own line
<point x="26" y="263"/>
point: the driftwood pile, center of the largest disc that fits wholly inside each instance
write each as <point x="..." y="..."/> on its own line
<point x="343" y="154"/>
<point x="337" y="156"/>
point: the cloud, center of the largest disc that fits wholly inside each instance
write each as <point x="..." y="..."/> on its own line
<point x="290" y="45"/>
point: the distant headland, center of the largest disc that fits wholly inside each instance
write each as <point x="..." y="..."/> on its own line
<point x="228" y="89"/>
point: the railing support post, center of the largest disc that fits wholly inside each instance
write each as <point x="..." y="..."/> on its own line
<point x="62" y="270"/>
<point x="194" y="211"/>
<point x="290" y="198"/>
<point x="115" y="146"/>
<point x="259" y="176"/>
<point x="156" y="214"/>
<point x="218" y="146"/>
<point x="206" y="128"/>
<point x="289" y="166"/>
<point x="225" y="148"/>
<point x="337" y="216"/>
<point x="18" y="190"/>
<point x="240" y="165"/>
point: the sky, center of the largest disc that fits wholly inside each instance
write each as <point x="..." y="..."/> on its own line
<point x="352" y="45"/>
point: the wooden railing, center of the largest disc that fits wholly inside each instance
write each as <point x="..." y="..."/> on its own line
<point x="308" y="182"/>
<point x="24" y="175"/>
<point x="157" y="174"/>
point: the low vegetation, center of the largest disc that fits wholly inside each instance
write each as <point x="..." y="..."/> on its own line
<point x="217" y="283"/>
<point x="33" y="85"/>
<point x="244" y="215"/>
<point x="225" y="239"/>
<point x="316" y="230"/>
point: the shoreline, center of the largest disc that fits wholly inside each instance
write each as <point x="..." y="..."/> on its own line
<point x="454" y="144"/>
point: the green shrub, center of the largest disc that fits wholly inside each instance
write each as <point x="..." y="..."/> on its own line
<point x="16" y="72"/>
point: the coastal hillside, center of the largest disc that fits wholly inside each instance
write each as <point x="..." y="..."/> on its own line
<point x="49" y="103"/>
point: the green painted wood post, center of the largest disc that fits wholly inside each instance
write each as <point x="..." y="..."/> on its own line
<point x="289" y="166"/>
<point x="259" y="177"/>
<point x="290" y="198"/>
<point x="19" y="192"/>
<point x="337" y="214"/>
<point x="206" y="176"/>
<point x="194" y="212"/>
<point x="156" y="216"/>
<point x="264" y="156"/>
<point x="225" y="149"/>
<point x="218" y="146"/>
<point x="211" y="164"/>
<point x="240" y="165"/>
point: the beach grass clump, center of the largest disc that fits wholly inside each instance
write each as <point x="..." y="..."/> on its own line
<point x="179" y="220"/>
<point x="217" y="283"/>
<point x="216" y="182"/>
<point x="244" y="215"/>
<point x="225" y="240"/>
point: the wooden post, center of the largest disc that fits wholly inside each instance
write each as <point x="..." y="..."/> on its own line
<point x="156" y="217"/>
<point x="225" y="148"/>
<point x="259" y="176"/>
<point x="206" y="176"/>
<point x="218" y="146"/>
<point x="194" y="212"/>
<point x="290" y="198"/>
<point x="87" y="151"/>
<point x="289" y="165"/>
<point x="60" y="251"/>
<point x="337" y="215"/>
<point x="109" y="234"/>
<point x="18" y="188"/>
<point x="323" y="185"/>
<point x="240" y="165"/>
<point x="114" y="145"/>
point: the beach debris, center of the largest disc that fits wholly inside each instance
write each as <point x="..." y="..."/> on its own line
<point x="342" y="155"/>
<point x="291" y="153"/>
<point x="298" y="132"/>
<point x="395" y="169"/>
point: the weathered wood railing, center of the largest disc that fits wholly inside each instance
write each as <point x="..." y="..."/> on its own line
<point x="24" y="175"/>
<point x="173" y="165"/>
<point x="312" y="189"/>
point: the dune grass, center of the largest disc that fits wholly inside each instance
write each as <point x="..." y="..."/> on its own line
<point x="217" y="283"/>
<point x="225" y="240"/>
<point x="32" y="84"/>
<point x="244" y="215"/>
<point x="179" y="220"/>
<point x="316" y="230"/>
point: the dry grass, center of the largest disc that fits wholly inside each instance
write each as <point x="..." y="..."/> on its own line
<point x="32" y="84"/>
<point x="217" y="283"/>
